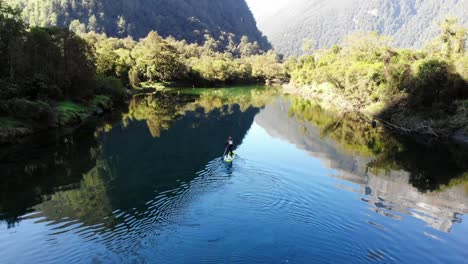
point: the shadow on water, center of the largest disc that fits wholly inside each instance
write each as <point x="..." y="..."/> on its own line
<point x="143" y="167"/>
<point x="43" y="165"/>
<point x="148" y="165"/>
<point x="159" y="147"/>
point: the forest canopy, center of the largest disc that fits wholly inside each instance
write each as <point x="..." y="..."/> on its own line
<point x="415" y="90"/>
<point x="184" y="20"/>
<point x="54" y="76"/>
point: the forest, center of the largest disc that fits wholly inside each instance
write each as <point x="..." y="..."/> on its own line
<point x="120" y="18"/>
<point x="155" y="59"/>
<point x="55" y="77"/>
<point x="421" y="91"/>
<point x="326" y="22"/>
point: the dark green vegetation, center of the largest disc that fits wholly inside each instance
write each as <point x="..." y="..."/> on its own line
<point x="54" y="77"/>
<point x="413" y="91"/>
<point x="184" y="20"/>
<point x="47" y="78"/>
<point x="327" y="22"/>
<point x="155" y="59"/>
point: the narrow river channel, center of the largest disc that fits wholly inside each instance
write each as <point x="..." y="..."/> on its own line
<point x="307" y="186"/>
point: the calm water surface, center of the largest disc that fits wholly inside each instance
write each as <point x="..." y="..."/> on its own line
<point x="308" y="186"/>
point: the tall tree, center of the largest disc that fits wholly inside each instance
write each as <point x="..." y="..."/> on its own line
<point x="156" y="59"/>
<point x="12" y="31"/>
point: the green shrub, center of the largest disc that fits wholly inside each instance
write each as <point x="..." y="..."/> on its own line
<point x="110" y="86"/>
<point x="8" y="90"/>
<point x="436" y="85"/>
<point x="8" y="122"/>
<point x="102" y="101"/>
<point x="70" y="112"/>
<point x="38" y="111"/>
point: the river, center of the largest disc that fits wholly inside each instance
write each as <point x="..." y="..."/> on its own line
<point x="308" y="186"/>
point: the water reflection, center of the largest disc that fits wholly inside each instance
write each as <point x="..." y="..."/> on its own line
<point x="35" y="171"/>
<point x="396" y="175"/>
<point x="137" y="177"/>
<point x="95" y="183"/>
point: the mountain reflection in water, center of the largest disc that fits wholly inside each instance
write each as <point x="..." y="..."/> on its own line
<point x="354" y="150"/>
<point x="151" y="177"/>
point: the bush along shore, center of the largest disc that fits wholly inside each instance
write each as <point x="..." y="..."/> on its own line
<point x="48" y="79"/>
<point x="421" y="92"/>
<point x="20" y="121"/>
<point x="55" y="77"/>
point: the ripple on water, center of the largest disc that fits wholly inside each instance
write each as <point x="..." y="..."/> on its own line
<point x="275" y="196"/>
<point x="272" y="193"/>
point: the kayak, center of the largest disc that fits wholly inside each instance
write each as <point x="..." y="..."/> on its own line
<point x="229" y="158"/>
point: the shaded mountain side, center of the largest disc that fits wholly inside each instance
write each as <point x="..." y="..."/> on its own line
<point x="410" y="22"/>
<point x="182" y="19"/>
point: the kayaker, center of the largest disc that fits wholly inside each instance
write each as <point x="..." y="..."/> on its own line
<point x="230" y="147"/>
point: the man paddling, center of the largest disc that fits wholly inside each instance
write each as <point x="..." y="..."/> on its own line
<point x="230" y="147"/>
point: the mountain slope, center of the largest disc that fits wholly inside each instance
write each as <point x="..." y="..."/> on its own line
<point x="326" y="22"/>
<point x="183" y="19"/>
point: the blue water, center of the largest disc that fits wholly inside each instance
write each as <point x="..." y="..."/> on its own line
<point x="291" y="196"/>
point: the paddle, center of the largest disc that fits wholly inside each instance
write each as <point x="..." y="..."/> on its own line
<point x="224" y="153"/>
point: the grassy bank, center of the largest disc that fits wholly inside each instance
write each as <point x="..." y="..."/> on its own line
<point x="52" y="115"/>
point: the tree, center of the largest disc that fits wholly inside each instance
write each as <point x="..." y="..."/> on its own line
<point x="92" y="23"/>
<point x="12" y="31"/>
<point x="210" y="47"/>
<point x="366" y="46"/>
<point x="308" y="45"/>
<point x="106" y="56"/>
<point x="77" y="27"/>
<point x="452" y="37"/>
<point x="267" y="66"/>
<point x="122" y="25"/>
<point x="156" y="60"/>
<point x="246" y="48"/>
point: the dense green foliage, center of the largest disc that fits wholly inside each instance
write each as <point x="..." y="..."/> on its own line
<point x="43" y="66"/>
<point x="188" y="20"/>
<point x="157" y="59"/>
<point x="366" y="74"/>
<point x="324" y="23"/>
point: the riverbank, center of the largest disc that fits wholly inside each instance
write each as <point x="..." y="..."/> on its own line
<point x="27" y="118"/>
<point x="42" y="90"/>
<point x="53" y="115"/>
<point x="394" y="115"/>
<point x="134" y="178"/>
<point x="420" y="92"/>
